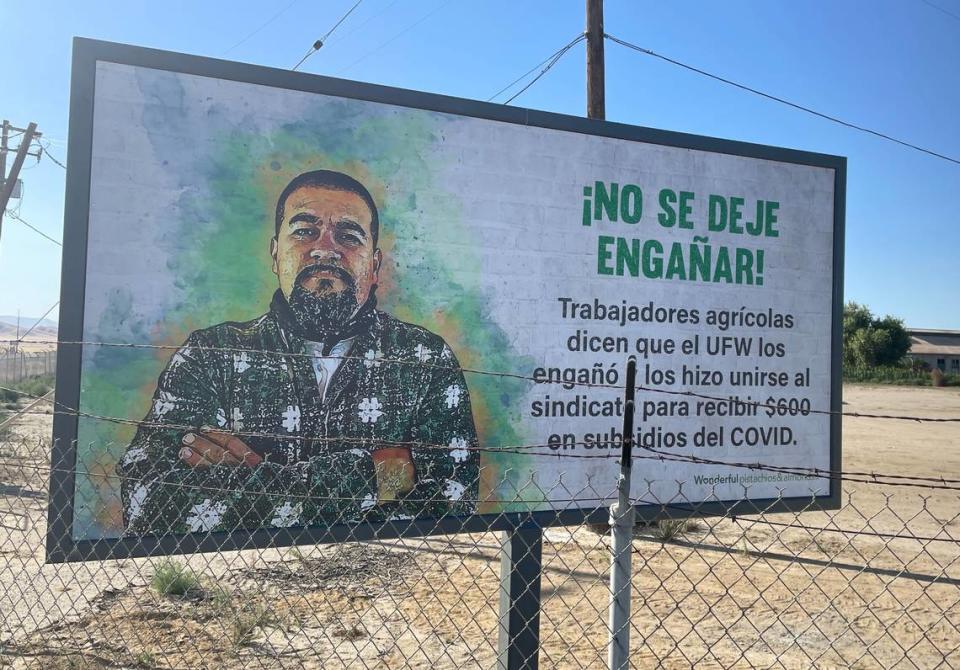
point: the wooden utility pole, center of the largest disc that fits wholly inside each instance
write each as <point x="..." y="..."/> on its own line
<point x="596" y="102"/>
<point x="10" y="181"/>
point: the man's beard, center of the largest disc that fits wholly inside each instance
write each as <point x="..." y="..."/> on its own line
<point x="327" y="313"/>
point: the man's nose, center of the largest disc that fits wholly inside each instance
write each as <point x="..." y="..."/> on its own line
<point x="325" y="246"/>
<point x="324" y="253"/>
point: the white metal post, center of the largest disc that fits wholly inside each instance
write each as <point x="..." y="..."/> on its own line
<point x="621" y="529"/>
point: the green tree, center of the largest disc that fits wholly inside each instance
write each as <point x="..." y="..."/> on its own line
<point x="869" y="341"/>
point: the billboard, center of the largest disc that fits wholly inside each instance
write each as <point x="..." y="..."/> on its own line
<point x="299" y="309"/>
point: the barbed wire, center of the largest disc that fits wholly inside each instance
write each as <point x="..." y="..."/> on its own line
<point x="735" y="400"/>
<point x="856" y="477"/>
<point x="554" y="452"/>
<point x="287" y="495"/>
<point x="814" y="473"/>
<point x="546" y="499"/>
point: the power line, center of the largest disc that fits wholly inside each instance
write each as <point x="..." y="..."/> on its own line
<point x="397" y="36"/>
<point x="546" y="60"/>
<point x="36" y="230"/>
<point x="342" y="36"/>
<point x="319" y="43"/>
<point x="262" y="26"/>
<point x="945" y="11"/>
<point x="46" y="149"/>
<point x="553" y="61"/>
<point x="342" y="19"/>
<point x="53" y="140"/>
<point x="782" y="101"/>
<point x="37" y="322"/>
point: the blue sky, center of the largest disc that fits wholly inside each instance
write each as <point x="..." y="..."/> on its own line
<point x="890" y="65"/>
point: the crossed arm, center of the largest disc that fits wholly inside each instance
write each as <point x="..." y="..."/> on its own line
<point x="188" y="480"/>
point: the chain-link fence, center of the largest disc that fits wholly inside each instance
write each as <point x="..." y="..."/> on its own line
<point x="15" y="366"/>
<point x="872" y="584"/>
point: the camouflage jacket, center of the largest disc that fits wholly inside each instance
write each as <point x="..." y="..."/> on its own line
<point x="399" y="383"/>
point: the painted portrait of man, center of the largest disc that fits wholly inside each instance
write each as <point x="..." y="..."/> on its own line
<point x="323" y="410"/>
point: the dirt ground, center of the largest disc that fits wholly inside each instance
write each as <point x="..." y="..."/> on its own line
<point x="770" y="591"/>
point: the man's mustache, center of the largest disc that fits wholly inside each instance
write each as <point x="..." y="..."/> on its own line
<point x="335" y="270"/>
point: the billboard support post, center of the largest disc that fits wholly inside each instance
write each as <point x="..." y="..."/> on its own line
<point x="533" y="536"/>
<point x="521" y="555"/>
<point x="622" y="515"/>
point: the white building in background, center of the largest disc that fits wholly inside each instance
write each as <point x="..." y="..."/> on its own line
<point x="938" y="348"/>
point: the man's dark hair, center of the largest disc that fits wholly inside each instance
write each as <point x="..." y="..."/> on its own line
<point x="333" y="180"/>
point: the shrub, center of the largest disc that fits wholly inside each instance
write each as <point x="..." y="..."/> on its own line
<point x="36" y="386"/>
<point x="886" y="374"/>
<point x="869" y="341"/>
<point x="667" y="530"/>
<point x="145" y="659"/>
<point x="175" y="579"/>
<point x="248" y="619"/>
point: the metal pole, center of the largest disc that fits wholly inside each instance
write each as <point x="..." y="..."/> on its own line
<point x="518" y="644"/>
<point x="622" y="515"/>
<point x="521" y="554"/>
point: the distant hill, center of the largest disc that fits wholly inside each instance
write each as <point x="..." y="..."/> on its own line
<point x="41" y="338"/>
<point x="26" y="322"/>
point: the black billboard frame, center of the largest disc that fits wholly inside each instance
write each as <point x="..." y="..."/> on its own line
<point x="60" y="544"/>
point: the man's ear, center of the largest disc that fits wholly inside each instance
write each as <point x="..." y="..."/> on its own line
<point x="377" y="262"/>
<point x="273" y="255"/>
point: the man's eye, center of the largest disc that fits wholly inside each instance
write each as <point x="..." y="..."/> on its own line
<point x="304" y="233"/>
<point x="350" y="239"/>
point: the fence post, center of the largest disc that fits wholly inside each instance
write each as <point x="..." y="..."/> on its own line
<point x="622" y="515"/>
<point x="521" y="557"/>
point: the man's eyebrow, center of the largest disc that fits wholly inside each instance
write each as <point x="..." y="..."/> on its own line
<point x="303" y="217"/>
<point x="351" y="225"/>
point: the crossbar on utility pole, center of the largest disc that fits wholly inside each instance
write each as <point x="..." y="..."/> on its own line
<point x="622" y="514"/>
<point x="9" y="181"/>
